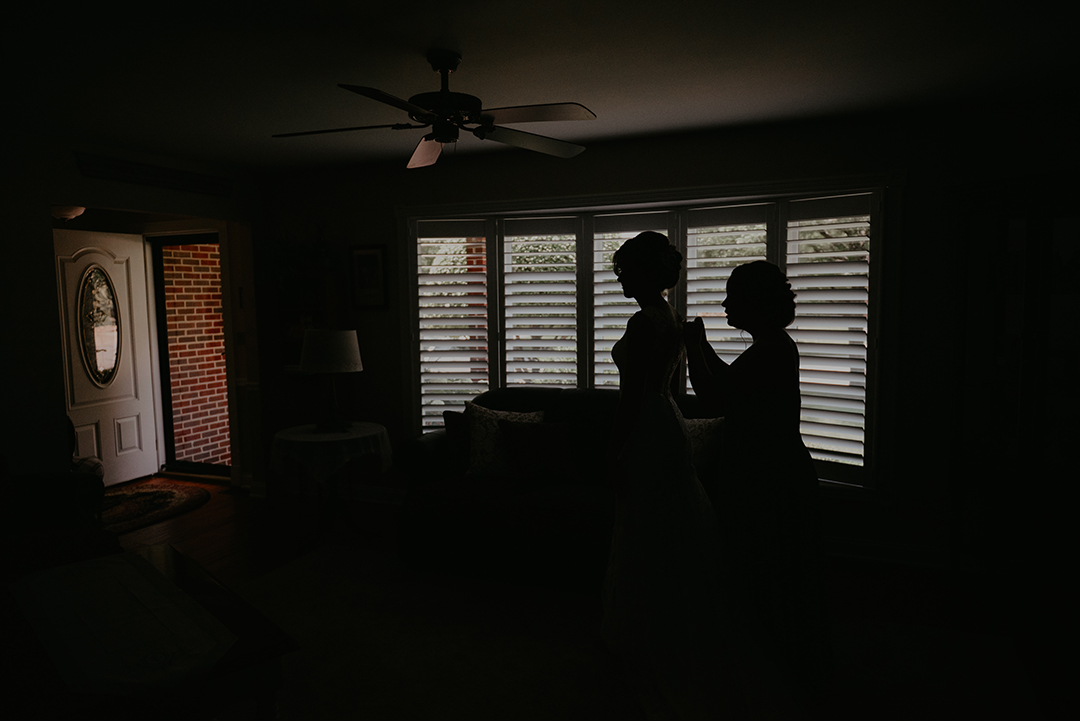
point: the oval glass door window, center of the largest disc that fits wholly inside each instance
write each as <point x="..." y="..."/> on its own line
<point x="99" y="325"/>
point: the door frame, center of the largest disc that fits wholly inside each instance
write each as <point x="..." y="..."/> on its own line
<point x="241" y="351"/>
<point x="155" y="246"/>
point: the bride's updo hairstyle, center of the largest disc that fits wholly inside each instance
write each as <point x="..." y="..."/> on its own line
<point x="766" y="290"/>
<point x="654" y="260"/>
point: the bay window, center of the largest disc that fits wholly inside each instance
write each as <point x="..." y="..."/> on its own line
<point x="508" y="298"/>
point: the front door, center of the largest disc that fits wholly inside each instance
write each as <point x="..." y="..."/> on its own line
<point x="109" y="375"/>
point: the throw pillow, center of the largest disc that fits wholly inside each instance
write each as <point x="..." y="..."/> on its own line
<point x="487" y="454"/>
<point x="541" y="452"/>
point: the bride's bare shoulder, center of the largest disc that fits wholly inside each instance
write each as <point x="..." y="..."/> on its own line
<point x="659" y="315"/>
<point x="638" y="321"/>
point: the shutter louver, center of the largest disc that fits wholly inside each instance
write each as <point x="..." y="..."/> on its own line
<point x="453" y="317"/>
<point x="828" y="264"/>
<point x="540" y="301"/>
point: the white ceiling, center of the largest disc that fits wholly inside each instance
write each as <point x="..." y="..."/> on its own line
<point x="211" y="85"/>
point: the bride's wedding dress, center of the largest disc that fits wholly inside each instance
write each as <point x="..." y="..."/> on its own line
<point x="671" y="611"/>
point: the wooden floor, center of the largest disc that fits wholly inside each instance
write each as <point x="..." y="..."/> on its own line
<point x="238" y="538"/>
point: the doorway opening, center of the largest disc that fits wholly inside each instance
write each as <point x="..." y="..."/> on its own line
<point x="191" y="349"/>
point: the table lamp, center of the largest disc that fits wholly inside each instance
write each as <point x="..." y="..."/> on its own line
<point x="331" y="352"/>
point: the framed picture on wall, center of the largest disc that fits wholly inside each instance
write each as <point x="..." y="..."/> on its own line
<point x="368" y="276"/>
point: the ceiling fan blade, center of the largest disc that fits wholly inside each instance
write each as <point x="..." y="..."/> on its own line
<point x="426" y="153"/>
<point x="529" y="141"/>
<point x="395" y="126"/>
<point x="413" y="110"/>
<point x="538" y="113"/>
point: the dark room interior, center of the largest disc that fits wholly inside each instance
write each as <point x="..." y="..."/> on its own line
<point x="960" y="117"/>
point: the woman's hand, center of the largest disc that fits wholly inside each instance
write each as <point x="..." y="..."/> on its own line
<point x="708" y="371"/>
<point x="693" y="332"/>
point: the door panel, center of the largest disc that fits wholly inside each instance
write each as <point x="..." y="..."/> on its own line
<point x="115" y="420"/>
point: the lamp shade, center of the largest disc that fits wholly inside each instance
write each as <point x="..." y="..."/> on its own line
<point x="330" y="351"/>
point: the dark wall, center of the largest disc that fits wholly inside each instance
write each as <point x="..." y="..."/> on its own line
<point x="960" y="179"/>
<point x="976" y="377"/>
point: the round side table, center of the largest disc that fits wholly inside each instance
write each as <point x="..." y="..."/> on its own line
<point x="321" y="454"/>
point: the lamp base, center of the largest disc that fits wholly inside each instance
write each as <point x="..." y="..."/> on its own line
<point x="334" y="419"/>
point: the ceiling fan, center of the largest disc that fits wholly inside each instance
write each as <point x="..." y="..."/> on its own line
<point x="446" y="113"/>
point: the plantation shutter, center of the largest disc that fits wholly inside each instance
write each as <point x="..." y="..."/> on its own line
<point x="828" y="264"/>
<point x="452" y="300"/>
<point x="610" y="309"/>
<point x="540" y="300"/>
<point x="717" y="240"/>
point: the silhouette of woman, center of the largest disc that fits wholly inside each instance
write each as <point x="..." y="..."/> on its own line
<point x="764" y="491"/>
<point x="669" y="615"/>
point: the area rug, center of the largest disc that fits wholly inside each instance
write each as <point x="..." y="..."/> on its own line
<point x="129" y="508"/>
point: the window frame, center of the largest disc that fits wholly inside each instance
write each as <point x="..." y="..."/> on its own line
<point x="675" y="203"/>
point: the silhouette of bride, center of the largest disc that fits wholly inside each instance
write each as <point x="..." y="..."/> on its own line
<point x="671" y="616"/>
<point x="764" y="490"/>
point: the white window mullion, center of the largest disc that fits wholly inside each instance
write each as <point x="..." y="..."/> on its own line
<point x="677" y="236"/>
<point x="777" y="233"/>
<point x="586" y="304"/>
<point x="496" y="303"/>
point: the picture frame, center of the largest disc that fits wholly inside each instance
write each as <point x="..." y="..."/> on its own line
<point x="368" y="276"/>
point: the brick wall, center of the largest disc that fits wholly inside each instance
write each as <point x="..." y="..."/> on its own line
<point x="196" y="353"/>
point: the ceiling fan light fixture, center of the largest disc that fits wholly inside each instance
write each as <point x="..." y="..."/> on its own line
<point x="426" y="153"/>
<point x="443" y="132"/>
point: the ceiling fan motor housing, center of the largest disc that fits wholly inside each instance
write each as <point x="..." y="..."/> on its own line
<point x="451" y="107"/>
